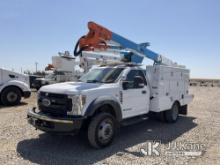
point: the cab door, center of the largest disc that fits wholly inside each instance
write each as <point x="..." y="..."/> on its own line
<point x="135" y="98"/>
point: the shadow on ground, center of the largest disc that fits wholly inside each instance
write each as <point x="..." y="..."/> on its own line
<point x="49" y="149"/>
<point x="14" y="106"/>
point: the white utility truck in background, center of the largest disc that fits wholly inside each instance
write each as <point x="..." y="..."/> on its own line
<point x="63" y="69"/>
<point x="67" y="68"/>
<point x="13" y="86"/>
<point x="110" y="95"/>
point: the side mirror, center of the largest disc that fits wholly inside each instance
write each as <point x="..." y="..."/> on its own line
<point x="124" y="85"/>
<point x="138" y="82"/>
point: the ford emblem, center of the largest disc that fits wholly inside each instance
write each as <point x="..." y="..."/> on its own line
<point x="46" y="102"/>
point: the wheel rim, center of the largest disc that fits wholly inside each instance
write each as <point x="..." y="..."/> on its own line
<point x="12" y="96"/>
<point x="175" y="112"/>
<point x="105" y="131"/>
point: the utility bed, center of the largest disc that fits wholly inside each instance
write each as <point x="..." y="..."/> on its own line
<point x="167" y="84"/>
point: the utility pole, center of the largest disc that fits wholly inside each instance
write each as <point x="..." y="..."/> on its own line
<point x="36" y="63"/>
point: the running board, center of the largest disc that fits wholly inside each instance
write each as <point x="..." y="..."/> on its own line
<point x="134" y="120"/>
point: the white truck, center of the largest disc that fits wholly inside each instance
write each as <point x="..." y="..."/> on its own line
<point x="112" y="95"/>
<point x="63" y="70"/>
<point x="13" y="86"/>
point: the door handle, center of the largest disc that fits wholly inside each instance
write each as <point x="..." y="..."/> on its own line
<point x="144" y="92"/>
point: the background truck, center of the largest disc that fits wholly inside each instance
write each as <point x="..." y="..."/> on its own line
<point x="115" y="94"/>
<point x="67" y="68"/>
<point x="13" y="86"/>
<point x="32" y="79"/>
<point x="62" y="70"/>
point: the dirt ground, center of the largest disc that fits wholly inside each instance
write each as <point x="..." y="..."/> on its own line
<point x="20" y="143"/>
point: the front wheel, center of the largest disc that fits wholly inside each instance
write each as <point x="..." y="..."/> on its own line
<point x="101" y="130"/>
<point x="11" y="96"/>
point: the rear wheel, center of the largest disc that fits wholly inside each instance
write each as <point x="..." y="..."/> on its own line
<point x="11" y="96"/>
<point x="101" y="130"/>
<point x="171" y="115"/>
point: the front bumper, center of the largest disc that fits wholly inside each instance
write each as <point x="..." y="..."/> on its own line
<point x="26" y="94"/>
<point x="47" y="123"/>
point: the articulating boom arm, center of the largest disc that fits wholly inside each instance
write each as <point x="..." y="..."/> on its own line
<point x="98" y="37"/>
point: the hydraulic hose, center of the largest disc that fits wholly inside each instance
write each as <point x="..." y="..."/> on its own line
<point x="79" y="52"/>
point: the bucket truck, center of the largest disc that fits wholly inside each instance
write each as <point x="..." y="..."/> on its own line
<point x="114" y="94"/>
<point x="62" y="69"/>
<point x="67" y="68"/>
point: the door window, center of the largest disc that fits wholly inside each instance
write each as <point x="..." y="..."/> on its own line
<point x="131" y="76"/>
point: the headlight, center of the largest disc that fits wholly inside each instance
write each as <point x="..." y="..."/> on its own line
<point x="78" y="101"/>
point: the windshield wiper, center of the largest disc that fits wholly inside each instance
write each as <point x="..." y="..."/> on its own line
<point x="108" y="81"/>
<point x="93" y="81"/>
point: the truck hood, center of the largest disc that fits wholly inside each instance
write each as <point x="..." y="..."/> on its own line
<point x="69" y="87"/>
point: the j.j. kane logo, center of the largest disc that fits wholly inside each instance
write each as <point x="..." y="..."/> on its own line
<point x="173" y="149"/>
<point x="46" y="102"/>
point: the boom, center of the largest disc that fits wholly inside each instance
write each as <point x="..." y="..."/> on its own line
<point x="98" y="38"/>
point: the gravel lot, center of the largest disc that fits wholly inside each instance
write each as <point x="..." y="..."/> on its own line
<point x="22" y="144"/>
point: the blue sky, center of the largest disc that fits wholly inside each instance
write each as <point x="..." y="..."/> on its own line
<point x="186" y="31"/>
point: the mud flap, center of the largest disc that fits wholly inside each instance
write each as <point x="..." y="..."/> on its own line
<point x="183" y="110"/>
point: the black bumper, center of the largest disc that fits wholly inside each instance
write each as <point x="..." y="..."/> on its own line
<point x="51" y="124"/>
<point x="26" y="94"/>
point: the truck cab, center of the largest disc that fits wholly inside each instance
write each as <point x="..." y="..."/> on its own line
<point x="13" y="86"/>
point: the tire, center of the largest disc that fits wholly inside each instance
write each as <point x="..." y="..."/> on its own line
<point x="11" y="96"/>
<point x="101" y="130"/>
<point x="160" y="116"/>
<point x="171" y="116"/>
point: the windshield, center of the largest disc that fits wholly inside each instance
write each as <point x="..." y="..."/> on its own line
<point x="102" y="75"/>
